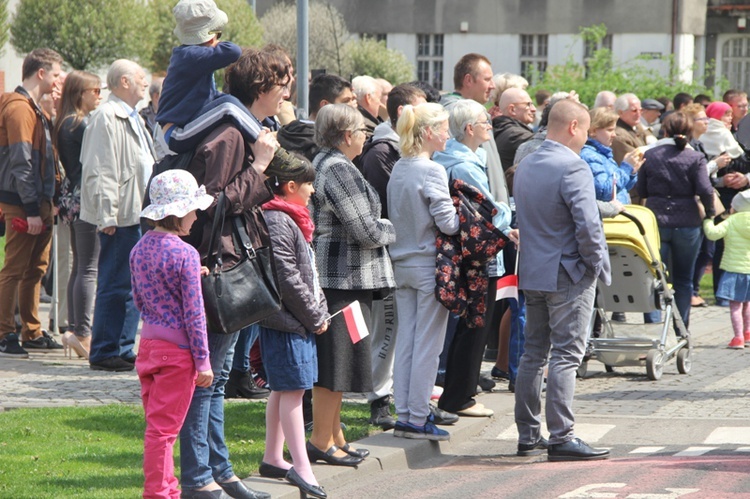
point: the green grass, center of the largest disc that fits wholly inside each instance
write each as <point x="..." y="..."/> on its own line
<point x="707" y="288"/>
<point x="97" y="452"/>
<point x="2" y="250"/>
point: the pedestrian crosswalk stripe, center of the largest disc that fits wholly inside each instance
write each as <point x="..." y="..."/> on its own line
<point x="646" y="450"/>
<point x="739" y="435"/>
<point x="695" y="451"/>
<point x="585" y="431"/>
<point x="742" y="449"/>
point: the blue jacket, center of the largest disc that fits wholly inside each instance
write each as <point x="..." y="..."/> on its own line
<point x="462" y="163"/>
<point x="606" y="172"/>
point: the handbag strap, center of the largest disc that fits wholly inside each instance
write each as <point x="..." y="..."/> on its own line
<point x="244" y="239"/>
<point x="217" y="228"/>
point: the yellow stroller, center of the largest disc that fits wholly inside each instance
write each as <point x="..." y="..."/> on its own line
<point x="639" y="284"/>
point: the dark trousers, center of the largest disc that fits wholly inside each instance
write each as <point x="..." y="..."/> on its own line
<point x="465" y="360"/>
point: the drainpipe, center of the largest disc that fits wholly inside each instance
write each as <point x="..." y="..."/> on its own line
<point x="674" y="39"/>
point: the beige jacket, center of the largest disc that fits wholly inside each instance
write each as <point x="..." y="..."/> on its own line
<point x="115" y="167"/>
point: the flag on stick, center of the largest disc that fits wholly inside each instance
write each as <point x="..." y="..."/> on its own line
<point x="507" y="287"/>
<point x="355" y="321"/>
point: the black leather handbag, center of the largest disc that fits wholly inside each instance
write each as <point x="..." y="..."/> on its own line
<point x="244" y="294"/>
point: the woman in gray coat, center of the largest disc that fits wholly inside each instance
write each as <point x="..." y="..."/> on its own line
<point x="350" y="249"/>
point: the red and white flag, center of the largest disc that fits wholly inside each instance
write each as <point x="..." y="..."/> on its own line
<point x="355" y="321"/>
<point x="507" y="287"/>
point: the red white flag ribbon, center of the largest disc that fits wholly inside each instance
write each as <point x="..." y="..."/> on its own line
<point x="355" y="321"/>
<point x="507" y="287"/>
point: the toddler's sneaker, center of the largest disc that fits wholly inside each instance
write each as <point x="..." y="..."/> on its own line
<point x="747" y="337"/>
<point x="427" y="432"/>
<point x="737" y="343"/>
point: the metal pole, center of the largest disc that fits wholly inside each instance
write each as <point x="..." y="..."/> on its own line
<point x="303" y="53"/>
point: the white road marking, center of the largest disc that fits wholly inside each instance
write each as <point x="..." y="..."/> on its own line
<point x="739" y="435"/>
<point x="646" y="450"/>
<point x="694" y="451"/>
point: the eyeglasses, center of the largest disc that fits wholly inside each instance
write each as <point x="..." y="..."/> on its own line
<point x="701" y="119"/>
<point x="216" y="33"/>
<point x="96" y="91"/>
<point x="363" y="130"/>
<point x="485" y="123"/>
<point x="636" y="109"/>
<point x="525" y="104"/>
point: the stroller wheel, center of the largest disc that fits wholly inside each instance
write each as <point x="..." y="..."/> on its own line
<point x="654" y="364"/>
<point x="683" y="360"/>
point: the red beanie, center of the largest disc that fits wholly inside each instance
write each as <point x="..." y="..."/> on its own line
<point x="717" y="110"/>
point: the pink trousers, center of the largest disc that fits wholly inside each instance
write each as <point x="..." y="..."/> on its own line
<point x="167" y="374"/>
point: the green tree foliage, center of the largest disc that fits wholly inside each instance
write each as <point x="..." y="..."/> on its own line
<point x="88" y="34"/>
<point x="373" y="58"/>
<point x="602" y="72"/>
<point x="4" y="25"/>
<point x="243" y="29"/>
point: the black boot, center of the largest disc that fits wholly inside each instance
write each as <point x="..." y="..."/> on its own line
<point x="241" y="385"/>
<point x="380" y="413"/>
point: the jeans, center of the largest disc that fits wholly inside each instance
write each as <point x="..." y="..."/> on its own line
<point x="517" y="338"/>
<point x="82" y="284"/>
<point x="683" y="243"/>
<point x="115" y="315"/>
<point x="204" y="457"/>
<point x="245" y="341"/>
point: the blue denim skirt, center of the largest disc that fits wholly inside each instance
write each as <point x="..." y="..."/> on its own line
<point x="289" y="359"/>
<point x="734" y="286"/>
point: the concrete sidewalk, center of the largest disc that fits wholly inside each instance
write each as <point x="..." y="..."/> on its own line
<point x="51" y="380"/>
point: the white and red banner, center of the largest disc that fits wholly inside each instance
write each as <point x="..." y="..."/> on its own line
<point x="507" y="287"/>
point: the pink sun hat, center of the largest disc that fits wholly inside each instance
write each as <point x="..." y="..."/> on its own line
<point x="175" y="192"/>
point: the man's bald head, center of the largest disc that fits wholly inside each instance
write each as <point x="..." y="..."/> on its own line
<point x="517" y="104"/>
<point x="569" y="124"/>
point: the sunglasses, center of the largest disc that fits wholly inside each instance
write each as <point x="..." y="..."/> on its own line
<point x="97" y="91"/>
<point x="216" y="33"/>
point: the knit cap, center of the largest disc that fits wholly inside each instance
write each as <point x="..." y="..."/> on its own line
<point x="717" y="110"/>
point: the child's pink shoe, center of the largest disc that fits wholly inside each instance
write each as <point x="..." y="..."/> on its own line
<point x="737" y="342"/>
<point x="747" y="337"/>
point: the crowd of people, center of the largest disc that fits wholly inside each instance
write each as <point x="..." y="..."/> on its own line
<point x="411" y="203"/>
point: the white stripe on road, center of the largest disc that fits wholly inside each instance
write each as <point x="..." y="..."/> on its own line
<point x="694" y="451"/>
<point x="646" y="450"/>
<point x="739" y="435"/>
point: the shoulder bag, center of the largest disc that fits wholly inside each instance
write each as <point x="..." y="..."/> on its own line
<point x="245" y="293"/>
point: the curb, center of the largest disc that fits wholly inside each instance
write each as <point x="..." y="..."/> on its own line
<point x="388" y="453"/>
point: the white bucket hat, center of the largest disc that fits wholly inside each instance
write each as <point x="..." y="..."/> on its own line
<point x="175" y="192"/>
<point x="741" y="201"/>
<point x="197" y="20"/>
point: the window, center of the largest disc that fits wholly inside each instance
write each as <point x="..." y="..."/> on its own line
<point x="430" y="60"/>
<point x="735" y="62"/>
<point x="534" y="50"/>
<point x="591" y="46"/>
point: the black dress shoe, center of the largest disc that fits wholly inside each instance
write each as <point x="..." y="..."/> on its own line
<point x="575" y="450"/>
<point x="305" y="489"/>
<point x="203" y="494"/>
<point x="270" y="471"/>
<point x="315" y="455"/>
<point x="440" y="417"/>
<point x="363" y="453"/>
<point x="532" y="449"/>
<point x="238" y="490"/>
<point x="112" y="364"/>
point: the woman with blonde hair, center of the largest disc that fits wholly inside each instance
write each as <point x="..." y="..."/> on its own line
<point x="419" y="205"/>
<point x="81" y="94"/>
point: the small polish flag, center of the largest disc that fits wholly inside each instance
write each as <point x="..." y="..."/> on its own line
<point x="507" y="287"/>
<point x="355" y="321"/>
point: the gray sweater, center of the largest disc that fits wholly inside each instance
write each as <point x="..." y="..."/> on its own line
<point x="419" y="203"/>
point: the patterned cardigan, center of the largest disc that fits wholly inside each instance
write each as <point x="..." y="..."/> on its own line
<point x="350" y="237"/>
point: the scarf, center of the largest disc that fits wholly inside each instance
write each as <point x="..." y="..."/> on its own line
<point x="300" y="215"/>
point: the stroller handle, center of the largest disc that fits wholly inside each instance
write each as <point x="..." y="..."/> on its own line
<point x="635" y="220"/>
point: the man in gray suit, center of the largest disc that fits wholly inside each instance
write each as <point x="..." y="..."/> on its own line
<point x="562" y="253"/>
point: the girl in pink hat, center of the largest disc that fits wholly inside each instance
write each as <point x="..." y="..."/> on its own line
<point x="173" y="353"/>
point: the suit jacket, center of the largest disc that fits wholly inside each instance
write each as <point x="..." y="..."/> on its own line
<point x="558" y="219"/>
